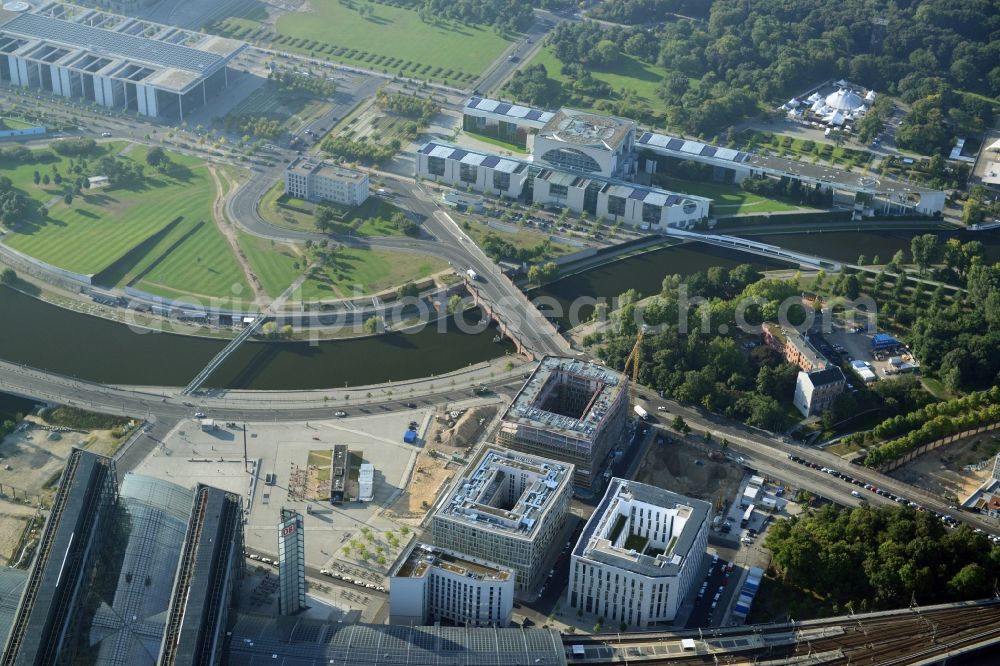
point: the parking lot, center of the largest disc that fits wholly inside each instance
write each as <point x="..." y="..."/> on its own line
<point x="853" y="342"/>
<point x="190" y="455"/>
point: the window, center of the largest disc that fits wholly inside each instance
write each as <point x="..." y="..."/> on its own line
<point x="435" y="165"/>
<point x="616" y="205"/>
<point x="501" y="181"/>
<point x="571" y="158"/>
<point x="651" y="213"/>
<point x="467" y="173"/>
<point x="559" y="191"/>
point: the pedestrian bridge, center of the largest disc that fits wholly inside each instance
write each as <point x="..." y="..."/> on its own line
<point x="758" y="248"/>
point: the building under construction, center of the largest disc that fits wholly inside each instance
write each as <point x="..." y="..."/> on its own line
<point x="122" y="575"/>
<point x="570" y="410"/>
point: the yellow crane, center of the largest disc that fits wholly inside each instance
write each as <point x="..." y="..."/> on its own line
<point x="633" y="360"/>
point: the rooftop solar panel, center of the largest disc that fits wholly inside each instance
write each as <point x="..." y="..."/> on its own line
<point x="638" y="194"/>
<point x="473" y="158"/>
<point x="708" y="151"/>
<point x="458" y="153"/>
<point x="533" y="114"/>
<point x="501" y="109"/>
<point x="692" y="147"/>
<point x="112" y="43"/>
<point x="674" y="144"/>
<point x="490" y="161"/>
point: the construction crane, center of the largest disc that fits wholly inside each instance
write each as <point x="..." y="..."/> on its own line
<point x="633" y="360"/>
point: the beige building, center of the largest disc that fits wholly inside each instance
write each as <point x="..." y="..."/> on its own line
<point x="314" y="180"/>
<point x="436" y="584"/>
<point x="507" y="508"/>
<point x="570" y="410"/>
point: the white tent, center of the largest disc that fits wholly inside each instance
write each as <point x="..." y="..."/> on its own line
<point x="844" y="100"/>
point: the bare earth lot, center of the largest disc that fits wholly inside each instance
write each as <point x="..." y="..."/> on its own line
<point x="435" y="466"/>
<point x="945" y="472"/>
<point x="675" y="466"/>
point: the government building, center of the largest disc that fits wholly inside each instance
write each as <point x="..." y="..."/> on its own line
<point x="438" y="585"/>
<point x="509" y="508"/>
<point x="569" y="410"/>
<point x="639" y="554"/>
<point x="590" y="153"/>
<point x="315" y="180"/>
<point x="114" y="61"/>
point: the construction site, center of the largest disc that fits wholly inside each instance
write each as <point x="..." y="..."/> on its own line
<point x="689" y="467"/>
<point x="955" y="471"/>
<point x="450" y="438"/>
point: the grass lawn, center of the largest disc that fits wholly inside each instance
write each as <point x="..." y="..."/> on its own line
<point x="726" y="199"/>
<point x="159" y="234"/>
<point x="390" y="38"/>
<point x="357" y="271"/>
<point x="493" y="141"/>
<point x="525" y="239"/>
<point x="272" y="262"/>
<point x="805" y="149"/>
<point x="12" y="124"/>
<point x="630" y="74"/>
<point x="358" y="221"/>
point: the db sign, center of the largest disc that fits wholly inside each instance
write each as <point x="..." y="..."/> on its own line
<point x="288" y="530"/>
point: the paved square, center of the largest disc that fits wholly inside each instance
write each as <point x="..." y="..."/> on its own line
<point x="190" y="455"/>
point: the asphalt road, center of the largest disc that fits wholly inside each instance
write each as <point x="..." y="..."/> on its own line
<point x="769" y="453"/>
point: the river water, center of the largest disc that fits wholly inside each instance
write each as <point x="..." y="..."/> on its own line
<point x="48" y="337"/>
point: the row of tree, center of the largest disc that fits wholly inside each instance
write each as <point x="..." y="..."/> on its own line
<point x="869" y="558"/>
<point x="410" y="106"/>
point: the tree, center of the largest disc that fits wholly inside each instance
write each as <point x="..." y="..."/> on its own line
<point x="45" y="179"/>
<point x="540" y="274"/>
<point x="923" y="248"/>
<point x="36" y="177"/>
<point x="373" y="325"/>
<point x="680" y="425"/>
<point x="407" y="290"/>
<point x="8" y="276"/>
<point x="454" y="303"/>
<point x="156" y="157"/>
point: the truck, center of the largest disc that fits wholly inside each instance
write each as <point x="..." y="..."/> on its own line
<point x="472" y="275"/>
<point x="641" y="413"/>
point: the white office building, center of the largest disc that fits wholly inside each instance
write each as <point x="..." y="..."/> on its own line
<point x="112" y="60"/>
<point x="639" y="554"/>
<point x="509" y="508"/>
<point x="315" y="180"/>
<point x="587" y="142"/>
<point x="600" y="197"/>
<point x="439" y="585"/>
<point x="816" y="391"/>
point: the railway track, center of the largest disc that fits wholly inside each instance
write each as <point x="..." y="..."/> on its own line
<point x="892" y="638"/>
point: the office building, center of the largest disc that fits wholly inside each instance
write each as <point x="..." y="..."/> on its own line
<point x="793" y="347"/>
<point x="639" y="554"/>
<point x="569" y="410"/>
<point x="612" y="199"/>
<point x="439" y="585"/>
<point x="591" y="144"/>
<point x="291" y="563"/>
<point x="816" y="391"/>
<point x="512" y="123"/>
<point x="508" y="508"/>
<point x="316" y="180"/>
<point x="112" y="60"/>
<point x="578" y="141"/>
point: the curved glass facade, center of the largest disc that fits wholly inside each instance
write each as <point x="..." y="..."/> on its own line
<point x="571" y="158"/>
